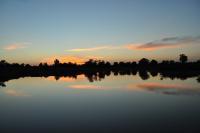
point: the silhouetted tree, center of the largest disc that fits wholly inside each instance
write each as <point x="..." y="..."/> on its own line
<point x="27" y="66"/>
<point x="107" y="64"/>
<point x="143" y="62"/>
<point x="121" y="63"/>
<point x="183" y="58"/>
<point x="56" y="62"/>
<point x="153" y="63"/>
<point x="40" y="65"/>
<point x="133" y="64"/>
<point x="91" y="63"/>
<point x="101" y="63"/>
<point x="115" y="64"/>
<point x="45" y="65"/>
<point x="3" y="61"/>
<point x="16" y="65"/>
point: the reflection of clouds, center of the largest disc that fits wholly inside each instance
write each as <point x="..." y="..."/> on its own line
<point x="88" y="87"/>
<point x="171" y="89"/>
<point x="12" y="92"/>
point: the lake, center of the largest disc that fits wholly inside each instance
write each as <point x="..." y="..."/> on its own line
<point x="122" y="103"/>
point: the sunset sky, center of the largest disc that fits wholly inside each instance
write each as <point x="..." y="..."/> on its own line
<point x="33" y="31"/>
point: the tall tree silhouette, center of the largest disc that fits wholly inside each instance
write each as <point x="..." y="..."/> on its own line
<point x="183" y="58"/>
<point x="56" y="62"/>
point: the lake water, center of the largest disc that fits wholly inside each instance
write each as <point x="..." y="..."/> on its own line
<point x="113" y="104"/>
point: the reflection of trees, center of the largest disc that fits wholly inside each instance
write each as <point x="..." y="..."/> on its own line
<point x="198" y="79"/>
<point x="57" y="77"/>
<point x="153" y="73"/>
<point x="102" y="74"/>
<point x="2" y="84"/>
<point x="143" y="74"/>
<point x="93" y="76"/>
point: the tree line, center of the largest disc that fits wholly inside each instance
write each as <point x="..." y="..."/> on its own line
<point x="98" y="69"/>
<point x="101" y="64"/>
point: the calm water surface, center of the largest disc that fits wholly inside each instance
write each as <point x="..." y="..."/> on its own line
<point x="114" y="104"/>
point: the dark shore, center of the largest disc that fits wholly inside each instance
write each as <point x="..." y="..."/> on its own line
<point x="97" y="70"/>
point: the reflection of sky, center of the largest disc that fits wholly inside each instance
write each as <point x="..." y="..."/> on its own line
<point x="29" y="103"/>
<point x="44" y="30"/>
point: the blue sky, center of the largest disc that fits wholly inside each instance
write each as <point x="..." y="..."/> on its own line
<point x="41" y="30"/>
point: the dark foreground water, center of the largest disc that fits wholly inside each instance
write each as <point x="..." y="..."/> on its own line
<point x="115" y="104"/>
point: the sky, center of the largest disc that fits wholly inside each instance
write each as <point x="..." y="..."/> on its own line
<point x="33" y="31"/>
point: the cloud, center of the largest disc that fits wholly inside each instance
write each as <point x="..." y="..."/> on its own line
<point x="169" y="42"/>
<point x="15" y="46"/>
<point x="94" y="49"/>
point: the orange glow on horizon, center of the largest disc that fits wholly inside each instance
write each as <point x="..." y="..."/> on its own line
<point x="72" y="59"/>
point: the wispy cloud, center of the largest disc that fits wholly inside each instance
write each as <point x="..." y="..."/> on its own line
<point x="15" y="46"/>
<point x="169" y="42"/>
<point x="94" y="48"/>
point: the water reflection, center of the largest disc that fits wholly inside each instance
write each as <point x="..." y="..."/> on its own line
<point x="66" y="78"/>
<point x="152" y="82"/>
<point x="124" y="101"/>
<point x="155" y="84"/>
<point x="101" y="74"/>
<point x="2" y="84"/>
<point x="143" y="74"/>
<point x="170" y="89"/>
<point x="79" y="86"/>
